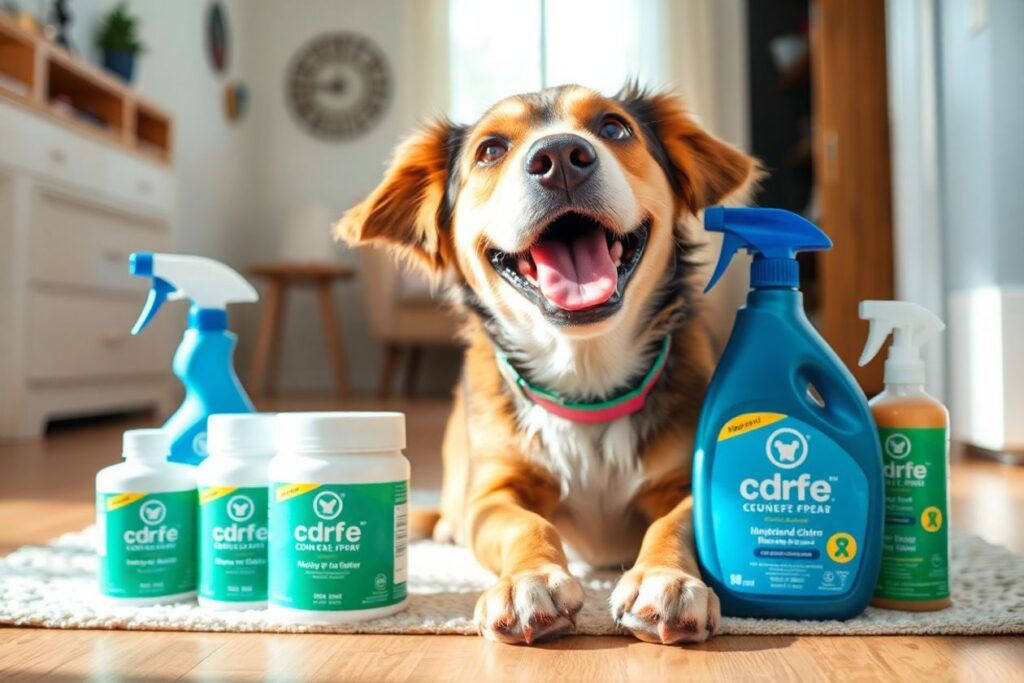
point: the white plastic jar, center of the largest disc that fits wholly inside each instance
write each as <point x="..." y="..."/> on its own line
<point x="233" y="534"/>
<point x="339" y="488"/>
<point x="146" y="524"/>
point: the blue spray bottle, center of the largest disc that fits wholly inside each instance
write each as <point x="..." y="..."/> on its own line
<point x="204" y="360"/>
<point x="788" y="485"/>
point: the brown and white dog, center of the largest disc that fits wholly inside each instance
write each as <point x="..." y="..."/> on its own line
<point x="560" y="220"/>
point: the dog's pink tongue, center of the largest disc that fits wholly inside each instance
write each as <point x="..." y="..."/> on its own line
<point x="578" y="274"/>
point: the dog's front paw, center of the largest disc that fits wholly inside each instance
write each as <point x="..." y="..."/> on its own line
<point x="529" y="606"/>
<point x="665" y="605"/>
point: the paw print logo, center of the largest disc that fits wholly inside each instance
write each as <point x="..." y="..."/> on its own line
<point x="897" y="446"/>
<point x="199" y="445"/>
<point x="240" y="508"/>
<point x="786" y="448"/>
<point x="327" y="505"/>
<point x="152" y="512"/>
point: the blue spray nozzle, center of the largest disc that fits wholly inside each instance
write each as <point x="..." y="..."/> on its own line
<point x="141" y="264"/>
<point x="774" y="236"/>
<point x="208" y="284"/>
<point x="158" y="294"/>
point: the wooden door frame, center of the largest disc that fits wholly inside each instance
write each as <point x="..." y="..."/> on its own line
<point x="852" y="170"/>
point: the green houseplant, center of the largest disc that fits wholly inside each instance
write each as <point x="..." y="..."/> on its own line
<point x="118" y="37"/>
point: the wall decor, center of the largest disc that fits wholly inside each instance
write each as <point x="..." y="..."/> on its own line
<point x="217" y="37"/>
<point x="236" y="101"/>
<point x="338" y="85"/>
<point x="62" y="24"/>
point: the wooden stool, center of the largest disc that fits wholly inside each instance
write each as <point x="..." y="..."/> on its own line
<point x="281" y="276"/>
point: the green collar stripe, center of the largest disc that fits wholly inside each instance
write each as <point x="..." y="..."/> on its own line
<point x="526" y="388"/>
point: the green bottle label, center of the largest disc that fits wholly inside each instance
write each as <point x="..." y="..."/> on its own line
<point x="338" y="546"/>
<point x="915" y="544"/>
<point x="147" y="543"/>
<point x="233" y="539"/>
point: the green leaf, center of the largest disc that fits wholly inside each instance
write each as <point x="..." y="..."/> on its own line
<point x="119" y="31"/>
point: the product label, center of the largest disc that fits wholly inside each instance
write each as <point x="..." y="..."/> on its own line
<point x="338" y="546"/>
<point x="790" y="508"/>
<point x="146" y="543"/>
<point x="233" y="539"/>
<point x="915" y="544"/>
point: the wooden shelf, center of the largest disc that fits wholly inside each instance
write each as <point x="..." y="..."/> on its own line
<point x="43" y="76"/>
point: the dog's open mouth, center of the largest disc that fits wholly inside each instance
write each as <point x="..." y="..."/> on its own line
<point x="577" y="269"/>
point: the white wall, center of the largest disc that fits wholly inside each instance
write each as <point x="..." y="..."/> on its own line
<point x="981" y="94"/>
<point x="956" y="89"/>
<point x="981" y="97"/>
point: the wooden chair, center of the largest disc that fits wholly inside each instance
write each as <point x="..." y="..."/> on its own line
<point x="404" y="316"/>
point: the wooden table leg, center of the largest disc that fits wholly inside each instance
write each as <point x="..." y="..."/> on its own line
<point x="387" y="376"/>
<point x="412" y="370"/>
<point x="335" y="346"/>
<point x="270" y="323"/>
<point x="277" y="342"/>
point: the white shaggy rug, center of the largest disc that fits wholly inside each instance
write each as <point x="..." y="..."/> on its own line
<point x="54" y="586"/>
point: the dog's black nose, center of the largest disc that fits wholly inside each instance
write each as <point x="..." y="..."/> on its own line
<point x="561" y="162"/>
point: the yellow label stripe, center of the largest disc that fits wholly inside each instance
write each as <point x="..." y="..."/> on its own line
<point x="123" y="499"/>
<point x="286" y="491"/>
<point x="748" y="422"/>
<point x="212" y="493"/>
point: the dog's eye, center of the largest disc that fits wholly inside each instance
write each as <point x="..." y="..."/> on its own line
<point x="490" y="151"/>
<point x="614" y="128"/>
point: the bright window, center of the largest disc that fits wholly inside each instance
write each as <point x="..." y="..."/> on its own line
<point x="503" y="47"/>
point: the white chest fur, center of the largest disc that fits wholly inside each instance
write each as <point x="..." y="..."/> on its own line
<point x="600" y="474"/>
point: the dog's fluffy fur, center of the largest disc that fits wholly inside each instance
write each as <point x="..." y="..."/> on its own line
<point x="522" y="486"/>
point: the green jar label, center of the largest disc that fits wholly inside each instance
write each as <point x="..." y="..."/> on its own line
<point x="337" y="547"/>
<point x="233" y="540"/>
<point x="915" y="544"/>
<point x="147" y="543"/>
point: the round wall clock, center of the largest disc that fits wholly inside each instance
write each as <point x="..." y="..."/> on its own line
<point x="338" y="85"/>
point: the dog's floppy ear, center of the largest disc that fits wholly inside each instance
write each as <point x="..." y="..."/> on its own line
<point x="408" y="211"/>
<point x="702" y="170"/>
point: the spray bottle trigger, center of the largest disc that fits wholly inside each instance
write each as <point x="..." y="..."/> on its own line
<point x="877" y="334"/>
<point x="730" y="244"/>
<point x="158" y="294"/>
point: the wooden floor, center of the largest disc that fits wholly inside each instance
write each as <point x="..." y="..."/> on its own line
<point x="46" y="488"/>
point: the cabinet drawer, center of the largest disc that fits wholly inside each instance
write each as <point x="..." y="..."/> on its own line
<point x="80" y="337"/>
<point x="45" y="148"/>
<point x="83" y="243"/>
<point x="141" y="182"/>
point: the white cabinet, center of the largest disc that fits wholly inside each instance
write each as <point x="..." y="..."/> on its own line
<point x="72" y="209"/>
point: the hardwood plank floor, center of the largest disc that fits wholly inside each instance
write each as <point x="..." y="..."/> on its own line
<point x="47" y="489"/>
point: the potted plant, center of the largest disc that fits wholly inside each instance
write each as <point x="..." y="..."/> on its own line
<point x="118" y="38"/>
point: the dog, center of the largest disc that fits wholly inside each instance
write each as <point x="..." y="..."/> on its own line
<point x="561" y="224"/>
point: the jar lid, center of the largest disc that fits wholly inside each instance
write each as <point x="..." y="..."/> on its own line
<point x="146" y="443"/>
<point x="241" y="434"/>
<point x="341" y="431"/>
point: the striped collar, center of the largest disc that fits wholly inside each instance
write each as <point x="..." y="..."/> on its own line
<point x="589" y="413"/>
